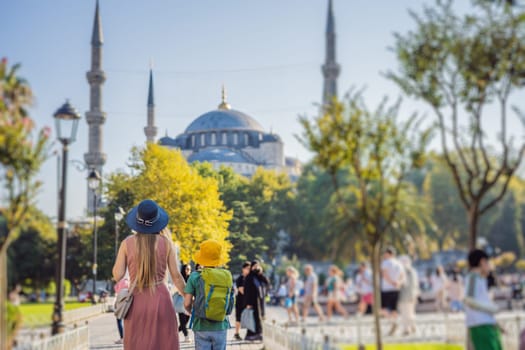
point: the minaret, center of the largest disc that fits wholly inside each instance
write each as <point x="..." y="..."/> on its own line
<point x="150" y="130"/>
<point x="95" y="158"/>
<point x="330" y="68"/>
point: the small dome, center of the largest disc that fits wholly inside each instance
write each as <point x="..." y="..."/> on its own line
<point x="224" y="119"/>
<point x="219" y="154"/>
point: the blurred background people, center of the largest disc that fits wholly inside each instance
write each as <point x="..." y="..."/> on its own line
<point x="408" y="296"/>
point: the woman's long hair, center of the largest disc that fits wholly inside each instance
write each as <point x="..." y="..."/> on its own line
<point x="146" y="261"/>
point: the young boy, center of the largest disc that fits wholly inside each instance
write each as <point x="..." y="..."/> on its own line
<point x="479" y="314"/>
<point x="210" y="292"/>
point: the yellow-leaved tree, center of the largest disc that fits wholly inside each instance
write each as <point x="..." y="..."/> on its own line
<point x="192" y="202"/>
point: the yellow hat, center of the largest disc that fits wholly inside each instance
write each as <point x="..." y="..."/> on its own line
<point x="209" y="254"/>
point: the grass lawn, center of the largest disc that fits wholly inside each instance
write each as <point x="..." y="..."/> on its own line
<point x="39" y="314"/>
<point x="411" y="346"/>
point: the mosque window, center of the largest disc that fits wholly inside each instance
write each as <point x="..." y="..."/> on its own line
<point x="235" y="138"/>
<point x="203" y="139"/>
<point x="246" y="139"/>
<point x="224" y="138"/>
<point x="193" y="141"/>
<point x="213" y="138"/>
<point x="260" y="136"/>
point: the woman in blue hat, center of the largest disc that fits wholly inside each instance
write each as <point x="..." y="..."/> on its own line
<point x="151" y="319"/>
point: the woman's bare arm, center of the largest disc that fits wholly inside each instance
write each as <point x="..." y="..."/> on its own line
<point x="176" y="276"/>
<point x="119" y="269"/>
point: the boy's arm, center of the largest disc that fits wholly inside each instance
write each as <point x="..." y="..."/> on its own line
<point x="189" y="291"/>
<point x="188" y="300"/>
<point x="470" y="298"/>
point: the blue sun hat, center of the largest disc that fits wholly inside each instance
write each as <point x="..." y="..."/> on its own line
<point x="147" y="217"/>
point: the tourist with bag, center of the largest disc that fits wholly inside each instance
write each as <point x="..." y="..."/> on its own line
<point x="239" y="298"/>
<point x="209" y="296"/>
<point x="149" y="318"/>
<point x="255" y="289"/>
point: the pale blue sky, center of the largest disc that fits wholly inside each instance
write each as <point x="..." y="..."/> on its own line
<point x="267" y="53"/>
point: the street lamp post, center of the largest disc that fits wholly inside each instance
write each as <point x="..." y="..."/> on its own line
<point x="66" y="121"/>
<point x="94" y="183"/>
<point x="119" y="214"/>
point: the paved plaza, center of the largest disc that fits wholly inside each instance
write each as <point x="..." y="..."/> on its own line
<point x="103" y="333"/>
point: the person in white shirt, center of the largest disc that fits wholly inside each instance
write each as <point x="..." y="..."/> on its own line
<point x="392" y="274"/>
<point x="310" y="293"/>
<point x="439" y="283"/>
<point x="483" y="330"/>
<point x="408" y="296"/>
<point x="365" y="288"/>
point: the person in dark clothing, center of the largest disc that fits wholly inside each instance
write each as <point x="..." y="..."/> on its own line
<point x="185" y="271"/>
<point x="239" y="298"/>
<point x="255" y="287"/>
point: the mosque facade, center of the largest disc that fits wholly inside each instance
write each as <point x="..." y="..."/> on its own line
<point x="228" y="137"/>
<point x="223" y="136"/>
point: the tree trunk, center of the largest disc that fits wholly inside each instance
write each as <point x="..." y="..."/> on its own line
<point x="473" y="219"/>
<point x="3" y="298"/>
<point x="376" y="276"/>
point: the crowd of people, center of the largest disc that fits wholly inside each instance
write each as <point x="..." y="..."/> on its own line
<point x="209" y="294"/>
<point x="400" y="290"/>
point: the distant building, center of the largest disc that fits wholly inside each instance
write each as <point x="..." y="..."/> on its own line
<point x="228" y="137"/>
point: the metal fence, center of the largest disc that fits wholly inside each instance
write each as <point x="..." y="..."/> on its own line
<point x="75" y="339"/>
<point x="279" y="338"/>
<point x="449" y="329"/>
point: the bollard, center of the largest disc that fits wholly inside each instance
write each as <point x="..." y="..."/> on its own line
<point x="304" y="340"/>
<point x="326" y="343"/>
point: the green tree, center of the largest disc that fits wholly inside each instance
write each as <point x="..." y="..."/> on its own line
<point x="271" y="196"/>
<point x="461" y="65"/>
<point x="22" y="151"/>
<point x="447" y="211"/>
<point x="191" y="201"/>
<point x="379" y="150"/>
<point x="506" y="232"/>
<point x="32" y="256"/>
<point x="244" y="245"/>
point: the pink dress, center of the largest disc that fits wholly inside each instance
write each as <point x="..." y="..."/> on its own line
<point x="151" y="323"/>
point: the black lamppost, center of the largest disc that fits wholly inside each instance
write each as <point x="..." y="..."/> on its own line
<point x="119" y="214"/>
<point x="94" y="184"/>
<point x="66" y="121"/>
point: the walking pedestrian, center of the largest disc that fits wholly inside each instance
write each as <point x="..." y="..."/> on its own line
<point x="439" y="283"/>
<point x="210" y="292"/>
<point x="148" y="256"/>
<point x="255" y="288"/>
<point x="311" y="288"/>
<point x="185" y="271"/>
<point x="456" y="292"/>
<point x="365" y="289"/>
<point x="392" y="274"/>
<point x="291" y="291"/>
<point x="122" y="284"/>
<point x="240" y="302"/>
<point x="408" y="296"/>
<point x="334" y="286"/>
<point x="483" y="330"/>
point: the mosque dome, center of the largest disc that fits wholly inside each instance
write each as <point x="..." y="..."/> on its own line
<point x="224" y="119"/>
